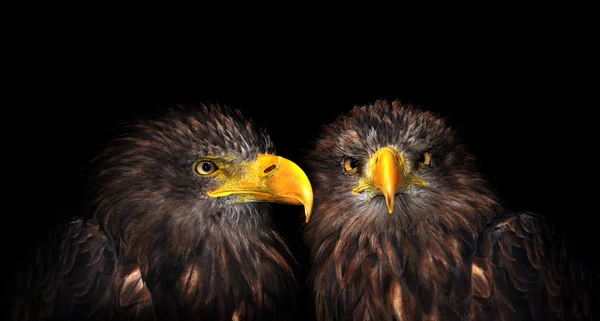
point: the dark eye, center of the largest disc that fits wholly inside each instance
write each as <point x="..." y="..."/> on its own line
<point x="425" y="158"/>
<point x="350" y="165"/>
<point x="205" y="167"/>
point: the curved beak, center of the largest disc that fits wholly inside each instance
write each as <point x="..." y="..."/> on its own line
<point x="388" y="175"/>
<point x="270" y="178"/>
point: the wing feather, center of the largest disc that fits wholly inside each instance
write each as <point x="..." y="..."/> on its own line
<point x="69" y="277"/>
<point x="538" y="275"/>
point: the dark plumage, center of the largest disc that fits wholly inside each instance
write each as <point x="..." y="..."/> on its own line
<point x="178" y="230"/>
<point x="405" y="228"/>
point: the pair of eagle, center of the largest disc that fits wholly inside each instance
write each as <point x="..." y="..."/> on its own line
<point x="403" y="228"/>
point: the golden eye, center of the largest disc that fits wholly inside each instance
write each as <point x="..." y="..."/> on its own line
<point x="205" y="167"/>
<point x="350" y="165"/>
<point x="425" y="158"/>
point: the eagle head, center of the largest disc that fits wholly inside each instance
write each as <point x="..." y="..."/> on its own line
<point x="189" y="170"/>
<point x="388" y="158"/>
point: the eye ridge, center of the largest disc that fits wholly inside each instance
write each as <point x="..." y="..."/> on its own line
<point x="205" y="167"/>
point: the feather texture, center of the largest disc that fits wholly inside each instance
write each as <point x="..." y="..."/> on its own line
<point x="155" y="245"/>
<point x="448" y="251"/>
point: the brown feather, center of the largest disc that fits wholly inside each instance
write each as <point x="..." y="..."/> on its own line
<point x="448" y="251"/>
<point x="155" y="245"/>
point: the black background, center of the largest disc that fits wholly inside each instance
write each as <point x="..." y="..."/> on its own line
<point x="532" y="128"/>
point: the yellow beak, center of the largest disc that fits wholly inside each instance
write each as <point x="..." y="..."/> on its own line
<point x="270" y="178"/>
<point x="389" y="174"/>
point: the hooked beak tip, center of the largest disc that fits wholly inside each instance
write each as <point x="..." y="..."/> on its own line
<point x="307" y="211"/>
<point x="390" y="204"/>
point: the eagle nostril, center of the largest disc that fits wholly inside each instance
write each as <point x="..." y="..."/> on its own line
<point x="269" y="169"/>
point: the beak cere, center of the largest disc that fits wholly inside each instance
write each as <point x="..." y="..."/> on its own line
<point x="270" y="178"/>
<point x="388" y="175"/>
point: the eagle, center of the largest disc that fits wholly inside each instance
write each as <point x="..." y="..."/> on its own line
<point x="178" y="227"/>
<point x="405" y="227"/>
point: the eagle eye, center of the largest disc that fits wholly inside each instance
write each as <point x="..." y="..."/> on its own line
<point x="425" y="158"/>
<point x="350" y="165"/>
<point x="205" y="167"/>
